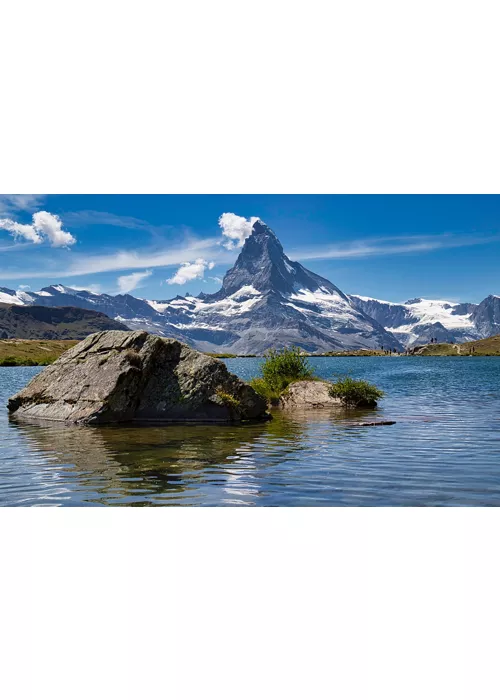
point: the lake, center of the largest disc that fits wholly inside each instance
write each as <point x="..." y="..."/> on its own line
<point x="444" y="449"/>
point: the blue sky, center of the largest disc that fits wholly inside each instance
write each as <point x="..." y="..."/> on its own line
<point x="391" y="247"/>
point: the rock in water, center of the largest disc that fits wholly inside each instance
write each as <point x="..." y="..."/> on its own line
<point x="308" y="394"/>
<point x="120" y="376"/>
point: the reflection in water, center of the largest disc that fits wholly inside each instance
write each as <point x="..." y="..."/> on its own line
<point x="142" y="465"/>
<point x="443" y="450"/>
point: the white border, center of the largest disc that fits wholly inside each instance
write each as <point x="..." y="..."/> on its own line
<point x="265" y="97"/>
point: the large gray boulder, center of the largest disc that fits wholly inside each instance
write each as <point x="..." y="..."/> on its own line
<point x="121" y="376"/>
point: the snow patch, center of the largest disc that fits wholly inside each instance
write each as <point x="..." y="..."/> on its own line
<point x="10" y="299"/>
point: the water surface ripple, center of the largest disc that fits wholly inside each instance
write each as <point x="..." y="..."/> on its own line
<point x="443" y="450"/>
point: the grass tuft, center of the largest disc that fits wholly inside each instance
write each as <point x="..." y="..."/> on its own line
<point x="355" y="393"/>
<point x="280" y="369"/>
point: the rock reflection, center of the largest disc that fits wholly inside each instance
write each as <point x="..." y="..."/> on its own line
<point x="176" y="464"/>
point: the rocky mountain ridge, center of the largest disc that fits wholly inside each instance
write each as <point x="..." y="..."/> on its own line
<point x="267" y="300"/>
<point x="416" y="321"/>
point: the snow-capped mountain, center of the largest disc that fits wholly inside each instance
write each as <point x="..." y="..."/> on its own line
<point x="416" y="321"/>
<point x="267" y="300"/>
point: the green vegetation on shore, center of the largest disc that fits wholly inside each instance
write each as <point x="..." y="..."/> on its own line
<point x="284" y="367"/>
<point x="15" y="353"/>
<point x="488" y="346"/>
<point x="355" y="392"/>
<point x="352" y="353"/>
<point x="225" y="355"/>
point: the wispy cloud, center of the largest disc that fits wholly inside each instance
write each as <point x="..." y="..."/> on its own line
<point x="387" y="246"/>
<point x="74" y="265"/>
<point x="89" y="217"/>
<point x="13" y="203"/>
<point x="191" y="271"/>
<point x="126" y="283"/>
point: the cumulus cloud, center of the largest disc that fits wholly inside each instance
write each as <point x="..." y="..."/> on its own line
<point x="236" y="229"/>
<point x="45" y="227"/>
<point x="126" y="283"/>
<point x="50" y="226"/>
<point x="23" y="287"/>
<point x="191" y="271"/>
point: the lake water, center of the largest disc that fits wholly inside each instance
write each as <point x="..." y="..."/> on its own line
<point x="443" y="450"/>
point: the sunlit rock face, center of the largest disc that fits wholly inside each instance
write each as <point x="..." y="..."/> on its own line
<point x="133" y="376"/>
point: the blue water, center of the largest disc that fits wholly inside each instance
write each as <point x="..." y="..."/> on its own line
<point x="443" y="450"/>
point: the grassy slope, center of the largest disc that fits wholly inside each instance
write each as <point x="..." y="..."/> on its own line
<point x="33" y="352"/>
<point x="488" y="346"/>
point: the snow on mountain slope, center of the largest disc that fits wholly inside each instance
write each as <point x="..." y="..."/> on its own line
<point x="8" y="296"/>
<point x="416" y="321"/>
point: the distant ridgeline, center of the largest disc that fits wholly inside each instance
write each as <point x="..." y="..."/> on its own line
<point x="268" y="301"/>
<point x="68" y="322"/>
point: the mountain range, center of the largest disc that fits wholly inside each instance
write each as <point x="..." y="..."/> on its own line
<point x="267" y="300"/>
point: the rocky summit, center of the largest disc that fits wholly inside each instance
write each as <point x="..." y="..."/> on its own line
<point x="132" y="376"/>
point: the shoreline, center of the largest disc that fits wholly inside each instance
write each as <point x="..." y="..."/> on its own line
<point x="17" y="352"/>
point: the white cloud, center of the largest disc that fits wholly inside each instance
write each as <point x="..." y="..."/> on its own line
<point x="24" y="287"/>
<point x="45" y="227"/>
<point x="191" y="271"/>
<point x="236" y="229"/>
<point x="26" y="231"/>
<point x="50" y="226"/>
<point x="126" y="283"/>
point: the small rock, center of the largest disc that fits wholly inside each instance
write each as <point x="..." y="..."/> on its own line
<point x="308" y="394"/>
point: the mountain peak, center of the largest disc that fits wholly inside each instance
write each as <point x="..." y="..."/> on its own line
<point x="262" y="264"/>
<point x="259" y="228"/>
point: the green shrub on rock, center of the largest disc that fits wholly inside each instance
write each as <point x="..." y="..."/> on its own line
<point x="280" y="369"/>
<point x="355" y="393"/>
